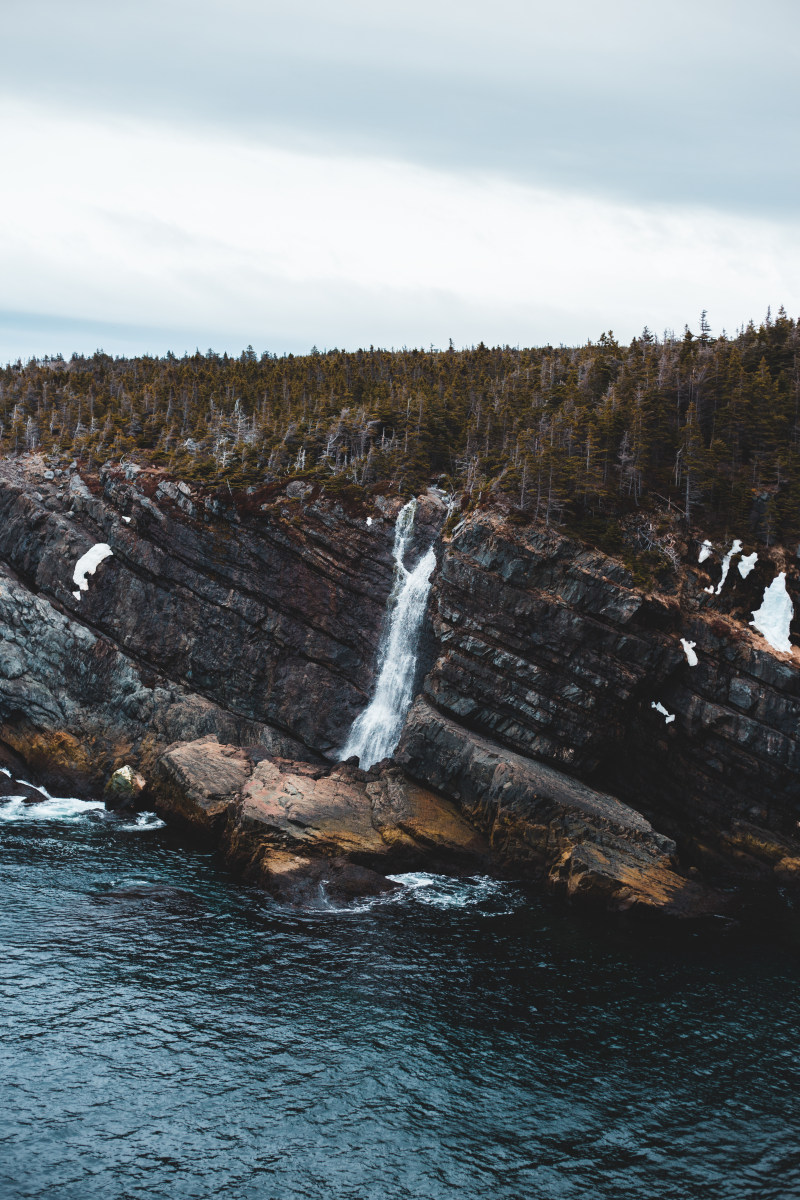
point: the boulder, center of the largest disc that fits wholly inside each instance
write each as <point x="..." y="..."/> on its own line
<point x="197" y="782"/>
<point x="124" y="788"/>
<point x="294" y="827"/>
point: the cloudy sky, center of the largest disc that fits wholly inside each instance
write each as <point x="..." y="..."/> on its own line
<point x="294" y="173"/>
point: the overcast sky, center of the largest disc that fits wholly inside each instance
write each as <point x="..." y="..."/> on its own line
<point x="286" y="174"/>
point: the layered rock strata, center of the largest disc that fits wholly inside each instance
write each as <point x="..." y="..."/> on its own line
<point x="551" y="650"/>
<point x="544" y="825"/>
<point x="256" y="619"/>
<point x="251" y="621"/>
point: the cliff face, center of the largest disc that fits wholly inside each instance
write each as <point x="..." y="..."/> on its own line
<point x="258" y="622"/>
<point x="255" y="620"/>
<point x="553" y="651"/>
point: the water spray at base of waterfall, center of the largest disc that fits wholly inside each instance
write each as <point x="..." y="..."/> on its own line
<point x="376" y="732"/>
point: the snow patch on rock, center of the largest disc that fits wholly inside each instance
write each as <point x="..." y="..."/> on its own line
<point x="705" y="551"/>
<point x="688" y="649"/>
<point x="736" y="548"/>
<point x="774" y="618"/>
<point x="659" y="707"/>
<point x="87" y="564"/>
<point x="746" y="564"/>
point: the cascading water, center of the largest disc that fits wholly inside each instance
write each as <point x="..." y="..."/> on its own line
<point x="376" y="732"/>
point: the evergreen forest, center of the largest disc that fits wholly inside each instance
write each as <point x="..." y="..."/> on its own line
<point x="702" y="426"/>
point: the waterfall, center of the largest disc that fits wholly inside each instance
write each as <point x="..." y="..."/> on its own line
<point x="376" y="732"/>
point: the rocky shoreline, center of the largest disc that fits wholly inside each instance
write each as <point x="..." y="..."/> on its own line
<point x="221" y="651"/>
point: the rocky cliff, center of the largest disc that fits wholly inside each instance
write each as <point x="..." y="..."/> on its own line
<point x="236" y="636"/>
<point x="553" y="651"/>
<point x="257" y="619"/>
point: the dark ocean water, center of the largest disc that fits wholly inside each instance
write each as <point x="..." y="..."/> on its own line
<point x="169" y="1034"/>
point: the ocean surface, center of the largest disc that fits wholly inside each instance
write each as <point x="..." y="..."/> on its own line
<point x="168" y="1033"/>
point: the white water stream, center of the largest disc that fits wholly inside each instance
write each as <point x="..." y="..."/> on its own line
<point x="376" y="732"/>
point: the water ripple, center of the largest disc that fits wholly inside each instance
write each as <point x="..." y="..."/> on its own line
<point x="166" y="1032"/>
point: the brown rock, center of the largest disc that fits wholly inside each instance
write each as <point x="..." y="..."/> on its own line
<point x="315" y="882"/>
<point x="627" y="881"/>
<point x="381" y="820"/>
<point x="787" y="872"/>
<point x="198" y="782"/>
<point x="298" y="828"/>
<point x="292" y="826"/>
<point x="124" y="788"/>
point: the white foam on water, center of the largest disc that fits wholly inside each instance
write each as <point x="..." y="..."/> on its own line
<point x="375" y="733"/>
<point x="434" y="891"/>
<point x="144" y="820"/>
<point x="446" y="891"/>
<point x="36" y="788"/>
<point x="58" y="808"/>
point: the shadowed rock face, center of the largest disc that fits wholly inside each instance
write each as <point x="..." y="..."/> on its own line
<point x="551" y="650"/>
<point x="75" y="708"/>
<point x="258" y="624"/>
<point x="273" y="615"/>
<point x="545" y="825"/>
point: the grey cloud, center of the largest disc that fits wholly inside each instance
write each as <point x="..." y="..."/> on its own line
<point x="684" y="104"/>
<point x="341" y="315"/>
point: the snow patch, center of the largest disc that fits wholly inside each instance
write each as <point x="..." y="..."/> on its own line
<point x="659" y="707"/>
<point x="127" y="520"/>
<point x="87" y="564"/>
<point x="688" y="649"/>
<point x="705" y="551"/>
<point x="746" y="564"/>
<point x="369" y="521"/>
<point x="736" y="548"/>
<point x="773" y="619"/>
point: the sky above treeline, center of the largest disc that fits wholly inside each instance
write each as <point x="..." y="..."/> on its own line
<point x="288" y="174"/>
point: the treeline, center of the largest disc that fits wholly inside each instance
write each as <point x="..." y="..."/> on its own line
<point x="709" y="426"/>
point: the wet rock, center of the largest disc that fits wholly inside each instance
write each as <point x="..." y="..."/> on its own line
<point x="276" y="816"/>
<point x="9" y="786"/>
<point x="319" y="883"/>
<point x="543" y="824"/>
<point x="124" y="788"/>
